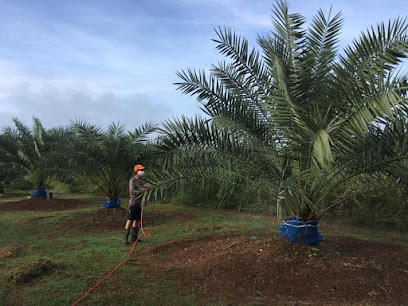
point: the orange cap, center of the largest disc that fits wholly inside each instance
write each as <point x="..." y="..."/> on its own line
<point x="138" y="167"/>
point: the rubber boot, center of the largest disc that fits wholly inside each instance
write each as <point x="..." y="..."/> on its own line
<point x="125" y="239"/>
<point x="135" y="231"/>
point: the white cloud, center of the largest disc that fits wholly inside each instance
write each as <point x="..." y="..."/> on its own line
<point x="56" y="101"/>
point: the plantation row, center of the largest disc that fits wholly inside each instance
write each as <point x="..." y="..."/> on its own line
<point x="292" y="126"/>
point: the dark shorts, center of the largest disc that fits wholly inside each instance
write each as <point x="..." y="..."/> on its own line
<point x="134" y="213"/>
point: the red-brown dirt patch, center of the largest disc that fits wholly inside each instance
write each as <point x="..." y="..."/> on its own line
<point x="232" y="269"/>
<point x="43" y="204"/>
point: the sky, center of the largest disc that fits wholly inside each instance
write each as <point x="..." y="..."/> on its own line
<point x="116" y="61"/>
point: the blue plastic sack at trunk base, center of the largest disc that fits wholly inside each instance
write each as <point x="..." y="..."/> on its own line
<point x="295" y="230"/>
<point x="111" y="202"/>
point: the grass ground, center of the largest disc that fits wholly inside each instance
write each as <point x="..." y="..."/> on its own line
<point x="83" y="258"/>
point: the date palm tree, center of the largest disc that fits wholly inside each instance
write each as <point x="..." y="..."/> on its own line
<point x="107" y="157"/>
<point x="34" y="154"/>
<point x="289" y="116"/>
<point x="10" y="170"/>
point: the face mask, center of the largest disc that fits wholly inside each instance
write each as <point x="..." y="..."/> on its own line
<point x="141" y="173"/>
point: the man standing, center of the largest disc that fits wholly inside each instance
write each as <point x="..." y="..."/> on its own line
<point x="137" y="187"/>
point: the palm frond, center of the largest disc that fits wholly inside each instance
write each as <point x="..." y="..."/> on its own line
<point x="288" y="35"/>
<point x="317" y="58"/>
<point x="379" y="49"/>
<point x="140" y="134"/>
<point x="246" y="63"/>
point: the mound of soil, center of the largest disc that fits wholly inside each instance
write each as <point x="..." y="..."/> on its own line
<point x="270" y="271"/>
<point x="43" y="204"/>
<point x="27" y="272"/>
<point x="7" y="252"/>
